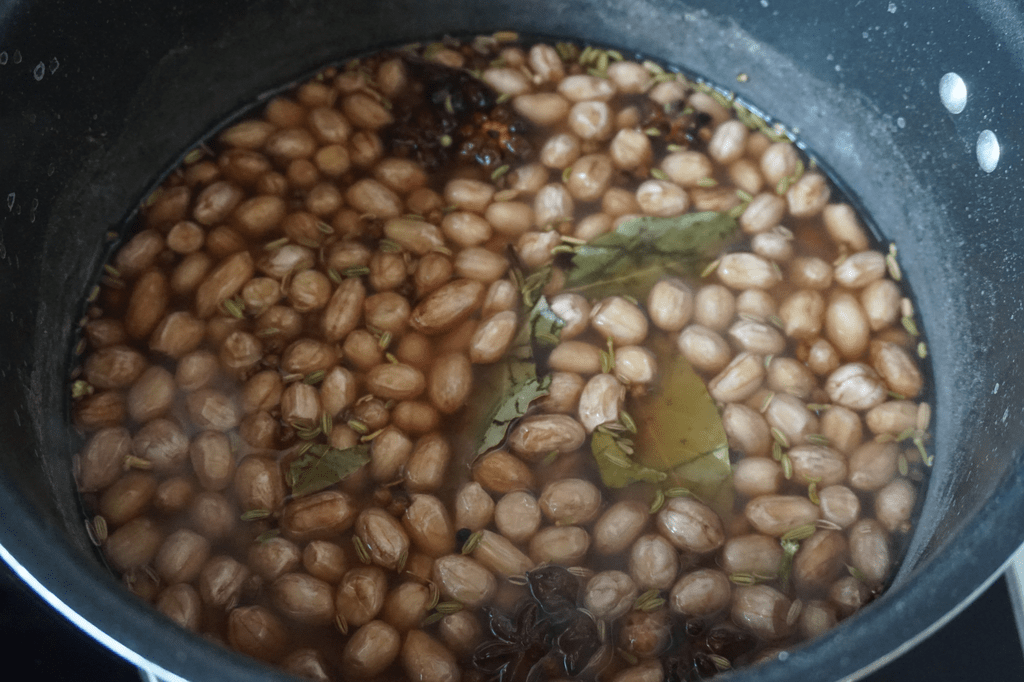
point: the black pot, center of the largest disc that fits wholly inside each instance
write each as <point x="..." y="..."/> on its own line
<point x="96" y="100"/>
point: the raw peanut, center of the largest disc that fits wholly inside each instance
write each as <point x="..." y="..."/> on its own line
<point x="180" y="603"/>
<point x="790" y="415"/>
<point x="739" y="380"/>
<point x="761" y="609"/>
<point x="427" y="660"/>
<point x="469" y="195"/>
<point x="493" y="337"/>
<point x="395" y="381"/>
<point x="704" y="348"/>
<point x="897" y="368"/>
<point x="566" y="545"/>
<point x="846" y="325"/>
<point x="114" y="367"/>
<point x="429" y="527"/>
<point x="225" y="281"/>
<point x="777" y="514"/>
<point x="872" y="465"/>
<point x="578" y="357"/>
<point x="817" y="463"/>
<point x="821" y="559"/>
<point x="274" y="558"/>
<point x="653" y="562"/>
<point x="501" y="472"/>
<point x="221" y="581"/>
<point x="303" y="598"/>
<point x="670" y="304"/>
<point x="690" y="525"/>
<point x="610" y="594"/>
<point x="474" y="508"/>
<point x="384" y="538"/>
<point x="755" y="554"/>
<point x="428" y="463"/>
<point x="856" y="386"/>
<point x="320" y="515"/>
<point x="894" y="505"/>
<point x="255" y="631"/>
<point x="344" y="310"/>
<point x="536" y="436"/>
<point x="839" y="504"/>
<point x="619" y="319"/>
<point x="450" y="381"/>
<point x="619" y="526"/>
<point x="869" y="550"/>
<point x="543" y="108"/>
<point x="446" y="307"/>
<point x="417" y="236"/>
<point x="464" y="579"/>
<point x="371" y="650"/>
<point x="747" y="430"/>
<point x="127" y="498"/>
<point x="212" y="460"/>
<point x="210" y="513"/>
<point x="407" y="605"/>
<point x="147" y="304"/>
<point x="570" y="501"/>
<point x="360" y="595"/>
<point x="499" y="555"/>
<point x="389" y="452"/>
<point x="700" y="593"/>
<point x="747" y="271"/>
<point x="163" y="443"/>
<point x="517" y="516"/>
<point x="259" y="484"/>
<point x="808" y="195"/>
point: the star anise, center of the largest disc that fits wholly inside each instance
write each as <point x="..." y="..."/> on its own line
<point x="517" y="647"/>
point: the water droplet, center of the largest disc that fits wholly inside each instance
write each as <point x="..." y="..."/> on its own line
<point x="54" y="65"/>
<point x="953" y="92"/>
<point x="39" y="71"/>
<point x="892" y="8"/>
<point x="901" y="122"/>
<point x="3" y="58"/>
<point x="988" y="151"/>
<point x="764" y="3"/>
<point x="16" y="57"/>
<point x="10" y="201"/>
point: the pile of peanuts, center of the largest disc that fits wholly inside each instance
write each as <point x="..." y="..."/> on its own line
<point x="302" y="285"/>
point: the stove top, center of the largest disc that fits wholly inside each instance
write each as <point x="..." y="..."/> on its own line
<point x="980" y="644"/>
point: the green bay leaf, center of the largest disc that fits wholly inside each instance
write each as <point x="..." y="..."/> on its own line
<point x="632" y="258"/>
<point x="322" y="466"/>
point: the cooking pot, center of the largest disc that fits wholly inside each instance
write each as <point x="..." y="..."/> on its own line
<point x="915" y="107"/>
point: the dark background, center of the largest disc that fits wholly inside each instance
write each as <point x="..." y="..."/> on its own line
<point x="979" y="644"/>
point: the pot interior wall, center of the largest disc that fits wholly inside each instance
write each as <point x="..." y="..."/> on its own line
<point x="98" y="102"/>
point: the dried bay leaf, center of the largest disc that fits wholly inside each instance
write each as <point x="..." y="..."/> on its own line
<point x="322" y="466"/>
<point x="515" y="381"/>
<point x="631" y="259"/>
<point x="617" y="469"/>
<point x="680" y="431"/>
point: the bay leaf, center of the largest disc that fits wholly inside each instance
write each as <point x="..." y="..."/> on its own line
<point x="680" y="431"/>
<point x="515" y="381"/>
<point x="617" y="469"/>
<point x="632" y="258"/>
<point x="322" y="466"/>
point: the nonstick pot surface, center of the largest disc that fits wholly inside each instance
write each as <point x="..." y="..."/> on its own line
<point x="95" y="102"/>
